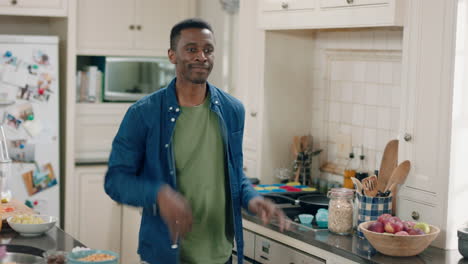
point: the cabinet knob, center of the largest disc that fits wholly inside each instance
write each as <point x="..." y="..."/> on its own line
<point x="253" y="114"/>
<point x="139" y="27"/>
<point x="284" y="5"/>
<point x="350" y="1"/>
<point x="415" y="215"/>
<point x="407" y="137"/>
<point x="131" y="27"/>
<point x="14" y="2"/>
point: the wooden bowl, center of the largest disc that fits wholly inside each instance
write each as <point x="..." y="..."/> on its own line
<point x="399" y="246"/>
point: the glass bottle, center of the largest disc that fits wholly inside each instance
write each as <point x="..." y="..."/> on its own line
<point x="341" y="211"/>
<point x="349" y="172"/>
<point x="361" y="172"/>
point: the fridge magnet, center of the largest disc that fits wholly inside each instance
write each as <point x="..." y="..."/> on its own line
<point x="21" y="151"/>
<point x="40" y="57"/>
<point x="38" y="180"/>
<point x="8" y="58"/>
<point x="44" y="89"/>
<point x="33" y="127"/>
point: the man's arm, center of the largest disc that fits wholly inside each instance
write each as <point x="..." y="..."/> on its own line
<point x="122" y="182"/>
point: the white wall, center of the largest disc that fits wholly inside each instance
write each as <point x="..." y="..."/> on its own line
<point x="356" y="90"/>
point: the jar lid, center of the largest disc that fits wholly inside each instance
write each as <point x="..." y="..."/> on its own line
<point x="341" y="192"/>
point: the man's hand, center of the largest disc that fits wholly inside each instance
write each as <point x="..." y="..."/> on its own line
<point x="175" y="211"/>
<point x="267" y="210"/>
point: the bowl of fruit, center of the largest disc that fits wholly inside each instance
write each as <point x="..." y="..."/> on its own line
<point x="31" y="225"/>
<point x="391" y="236"/>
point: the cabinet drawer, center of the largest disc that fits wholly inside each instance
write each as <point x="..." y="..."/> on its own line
<point x="96" y="126"/>
<point x="419" y="212"/>
<point x="275" y="5"/>
<point x="268" y="251"/>
<point x="350" y="3"/>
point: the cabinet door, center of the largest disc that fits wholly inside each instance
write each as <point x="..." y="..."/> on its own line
<point x="105" y="24"/>
<point x="350" y="3"/>
<point x="154" y="21"/>
<point x="40" y="4"/>
<point x="99" y="216"/>
<point x="131" y="218"/>
<point x="277" y="5"/>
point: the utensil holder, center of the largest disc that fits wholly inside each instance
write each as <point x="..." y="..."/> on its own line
<point x="370" y="208"/>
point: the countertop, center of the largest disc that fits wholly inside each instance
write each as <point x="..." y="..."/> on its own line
<point x="349" y="247"/>
<point x="54" y="239"/>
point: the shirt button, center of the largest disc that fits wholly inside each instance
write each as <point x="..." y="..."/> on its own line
<point x="177" y="109"/>
<point x="166" y="146"/>
<point x="172" y="119"/>
<point x="216" y="102"/>
<point x="171" y="172"/>
<point x="170" y="108"/>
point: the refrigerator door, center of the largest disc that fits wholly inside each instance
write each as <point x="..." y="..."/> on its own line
<point x="29" y="110"/>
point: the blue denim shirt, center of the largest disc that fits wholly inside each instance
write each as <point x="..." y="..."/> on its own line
<point x="142" y="160"/>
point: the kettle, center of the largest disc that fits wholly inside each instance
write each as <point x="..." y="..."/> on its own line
<point x="5" y="168"/>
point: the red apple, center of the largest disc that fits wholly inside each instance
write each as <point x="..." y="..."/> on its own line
<point x="395" y="219"/>
<point x="407" y="225"/>
<point x="383" y="218"/>
<point x="377" y="227"/>
<point x="415" y="231"/>
<point x="393" y="227"/>
<point x="402" y="233"/>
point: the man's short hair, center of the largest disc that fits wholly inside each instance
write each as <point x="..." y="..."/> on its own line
<point x="184" y="24"/>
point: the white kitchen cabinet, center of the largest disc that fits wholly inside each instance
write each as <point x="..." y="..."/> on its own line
<point x="103" y="223"/>
<point x="426" y="111"/>
<point x="306" y="14"/>
<point x="131" y="219"/>
<point x="53" y="8"/>
<point x="96" y="126"/>
<point x="129" y="28"/>
<point x="99" y="216"/>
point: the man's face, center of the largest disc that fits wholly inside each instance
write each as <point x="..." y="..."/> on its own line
<point x="194" y="55"/>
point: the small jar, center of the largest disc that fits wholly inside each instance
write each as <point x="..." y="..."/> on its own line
<point x="340" y="211"/>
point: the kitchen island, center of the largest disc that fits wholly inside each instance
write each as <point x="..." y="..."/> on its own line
<point x="337" y="249"/>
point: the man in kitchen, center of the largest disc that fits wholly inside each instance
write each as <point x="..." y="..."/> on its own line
<point x="178" y="154"/>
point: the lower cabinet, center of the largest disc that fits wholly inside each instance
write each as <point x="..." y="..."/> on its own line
<point x="103" y="223"/>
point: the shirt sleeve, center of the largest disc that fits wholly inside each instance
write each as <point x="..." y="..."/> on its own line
<point x="123" y="181"/>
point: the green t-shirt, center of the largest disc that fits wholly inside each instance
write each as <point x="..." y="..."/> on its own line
<point x="201" y="178"/>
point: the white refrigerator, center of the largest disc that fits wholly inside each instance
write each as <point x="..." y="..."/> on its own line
<point x="29" y="112"/>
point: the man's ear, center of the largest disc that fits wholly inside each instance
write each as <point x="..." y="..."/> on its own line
<point x="172" y="56"/>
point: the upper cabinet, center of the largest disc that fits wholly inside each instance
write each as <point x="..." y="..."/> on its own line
<point x="129" y="28"/>
<point x="308" y="14"/>
<point x="54" y="8"/>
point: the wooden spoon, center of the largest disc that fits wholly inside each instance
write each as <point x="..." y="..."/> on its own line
<point x="358" y="184"/>
<point x="370" y="185"/>
<point x="388" y="164"/>
<point x="398" y="177"/>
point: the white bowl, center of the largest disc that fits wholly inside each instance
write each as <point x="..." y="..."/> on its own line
<point x="31" y="230"/>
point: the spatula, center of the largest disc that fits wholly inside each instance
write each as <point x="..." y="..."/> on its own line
<point x="370" y="186"/>
<point x="388" y="164"/>
<point x="398" y="177"/>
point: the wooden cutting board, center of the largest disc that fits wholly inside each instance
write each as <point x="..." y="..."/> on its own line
<point x="14" y="208"/>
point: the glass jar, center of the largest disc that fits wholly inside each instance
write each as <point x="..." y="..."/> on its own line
<point x="340" y="211"/>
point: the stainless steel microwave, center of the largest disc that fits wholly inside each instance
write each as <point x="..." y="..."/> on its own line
<point x="129" y="79"/>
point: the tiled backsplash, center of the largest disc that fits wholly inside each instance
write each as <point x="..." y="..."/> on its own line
<point x="356" y="90"/>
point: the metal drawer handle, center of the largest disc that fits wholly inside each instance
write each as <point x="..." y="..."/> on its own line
<point x="14" y="2"/>
<point x="284" y="5"/>
<point x="407" y="137"/>
<point x="415" y="215"/>
<point x="139" y="27"/>
<point x="253" y="114"/>
<point x="350" y="1"/>
<point x="131" y="27"/>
